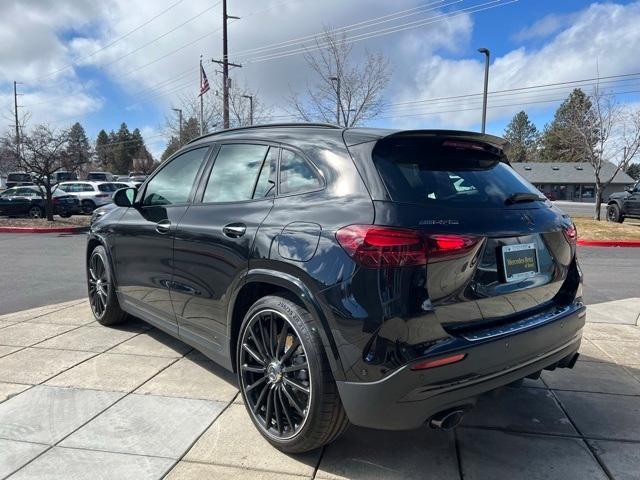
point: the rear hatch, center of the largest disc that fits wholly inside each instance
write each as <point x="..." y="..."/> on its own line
<point x="496" y="249"/>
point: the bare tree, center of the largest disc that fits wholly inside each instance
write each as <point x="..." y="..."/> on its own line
<point x="607" y="132"/>
<point x="344" y="93"/>
<point x="144" y="162"/>
<point x="44" y="151"/>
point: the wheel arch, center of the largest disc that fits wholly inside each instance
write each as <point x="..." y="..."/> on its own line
<point x="97" y="240"/>
<point x="261" y="282"/>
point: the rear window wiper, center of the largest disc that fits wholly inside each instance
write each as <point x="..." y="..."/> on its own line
<point x="521" y="197"/>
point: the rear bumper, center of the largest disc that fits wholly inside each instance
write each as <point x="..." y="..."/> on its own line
<point x="407" y="399"/>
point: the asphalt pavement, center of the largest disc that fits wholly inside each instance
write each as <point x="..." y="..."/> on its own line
<point x="578" y="209"/>
<point x="42" y="269"/>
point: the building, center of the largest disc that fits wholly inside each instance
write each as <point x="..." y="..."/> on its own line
<point x="574" y="181"/>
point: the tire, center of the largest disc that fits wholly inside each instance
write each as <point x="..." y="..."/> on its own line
<point x="317" y="418"/>
<point x="614" y="214"/>
<point x="88" y="206"/>
<point x="35" y="212"/>
<point x="65" y="214"/>
<point x="102" y="295"/>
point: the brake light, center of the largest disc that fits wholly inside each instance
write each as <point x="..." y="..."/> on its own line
<point x="438" y="362"/>
<point x="374" y="246"/>
<point x="55" y="200"/>
<point x="571" y="233"/>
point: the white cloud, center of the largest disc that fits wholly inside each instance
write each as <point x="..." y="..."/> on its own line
<point x="601" y="38"/>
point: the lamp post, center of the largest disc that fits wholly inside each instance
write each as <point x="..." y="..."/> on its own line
<point x="180" y="121"/>
<point x="250" y="97"/>
<point x="487" y="55"/>
<point x="337" y="80"/>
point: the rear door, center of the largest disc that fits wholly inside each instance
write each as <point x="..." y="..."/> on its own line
<point x="215" y="237"/>
<point x="495" y="248"/>
<point x="144" y="238"/>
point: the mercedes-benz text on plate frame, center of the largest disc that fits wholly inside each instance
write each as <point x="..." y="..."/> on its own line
<point x="345" y="275"/>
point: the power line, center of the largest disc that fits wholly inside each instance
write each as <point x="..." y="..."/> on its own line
<point x="116" y="40"/>
<point x="388" y="30"/>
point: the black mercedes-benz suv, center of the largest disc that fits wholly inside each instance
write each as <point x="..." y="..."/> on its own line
<point x="379" y="277"/>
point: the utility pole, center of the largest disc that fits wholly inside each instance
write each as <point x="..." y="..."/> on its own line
<point x="487" y="55"/>
<point x="337" y="80"/>
<point x="225" y="66"/>
<point x="15" y="110"/>
<point x="250" y="97"/>
<point x="179" y="110"/>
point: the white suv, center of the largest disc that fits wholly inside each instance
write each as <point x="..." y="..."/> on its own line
<point x="92" y="194"/>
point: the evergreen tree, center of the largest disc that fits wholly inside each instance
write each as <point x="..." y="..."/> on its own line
<point x="633" y="170"/>
<point x="123" y="155"/>
<point x="78" y="149"/>
<point x="172" y="147"/>
<point x="523" y="137"/>
<point x="102" y="150"/>
<point x="190" y="130"/>
<point x="559" y="143"/>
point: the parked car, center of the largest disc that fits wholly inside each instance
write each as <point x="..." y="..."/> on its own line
<point x="30" y="201"/>
<point x="92" y="194"/>
<point x="63" y="176"/>
<point x="383" y="278"/>
<point x="621" y="205"/>
<point x="101" y="177"/>
<point x="16" y="179"/>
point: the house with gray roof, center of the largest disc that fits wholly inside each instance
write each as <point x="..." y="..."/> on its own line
<point x="574" y="181"/>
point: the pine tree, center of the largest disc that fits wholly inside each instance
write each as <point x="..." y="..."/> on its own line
<point x="123" y="156"/>
<point x="172" y="147"/>
<point x="558" y="139"/>
<point x="523" y="137"/>
<point x="103" y="150"/>
<point x="78" y="149"/>
<point x="633" y="170"/>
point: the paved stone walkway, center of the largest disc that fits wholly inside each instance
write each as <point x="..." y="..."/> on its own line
<point x="81" y="401"/>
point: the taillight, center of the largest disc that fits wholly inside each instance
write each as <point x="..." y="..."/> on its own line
<point x="374" y="246"/>
<point x="571" y="233"/>
<point x="55" y="200"/>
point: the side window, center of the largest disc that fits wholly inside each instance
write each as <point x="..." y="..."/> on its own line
<point x="173" y="184"/>
<point x="234" y="173"/>
<point x="266" y="184"/>
<point x="296" y="175"/>
<point x="86" y="187"/>
<point x="66" y="188"/>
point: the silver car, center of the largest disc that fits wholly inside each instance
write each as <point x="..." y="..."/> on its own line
<point x="92" y="194"/>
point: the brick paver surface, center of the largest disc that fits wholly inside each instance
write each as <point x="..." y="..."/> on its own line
<point x="81" y="401"/>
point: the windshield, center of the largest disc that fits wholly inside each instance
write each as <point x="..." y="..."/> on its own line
<point x="64" y="176"/>
<point x="97" y="176"/>
<point x="438" y="171"/>
<point x="111" y="187"/>
<point x="19" y="177"/>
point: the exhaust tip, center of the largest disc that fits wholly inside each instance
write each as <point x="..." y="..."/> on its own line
<point x="447" y="420"/>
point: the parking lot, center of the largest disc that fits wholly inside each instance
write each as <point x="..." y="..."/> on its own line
<point x="83" y="401"/>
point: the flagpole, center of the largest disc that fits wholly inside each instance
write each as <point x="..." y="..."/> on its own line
<point x="201" y="101"/>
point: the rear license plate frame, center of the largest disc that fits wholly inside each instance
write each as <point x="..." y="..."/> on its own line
<point x="517" y="252"/>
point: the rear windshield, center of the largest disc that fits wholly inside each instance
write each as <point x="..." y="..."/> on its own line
<point x="446" y="172"/>
<point x="19" y="177"/>
<point x="96" y="176"/>
<point x="64" y="176"/>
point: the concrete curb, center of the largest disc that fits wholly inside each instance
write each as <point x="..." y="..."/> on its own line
<point x="43" y="230"/>
<point x="608" y="243"/>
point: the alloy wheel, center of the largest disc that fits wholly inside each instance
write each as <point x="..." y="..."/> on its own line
<point x="98" y="285"/>
<point x="275" y="375"/>
<point x="35" y="212"/>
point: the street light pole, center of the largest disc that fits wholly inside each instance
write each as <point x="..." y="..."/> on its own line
<point x="487" y="55"/>
<point x="250" y="97"/>
<point x="337" y="80"/>
<point x="180" y="121"/>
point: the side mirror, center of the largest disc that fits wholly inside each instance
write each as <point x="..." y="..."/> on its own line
<point x="124" y="197"/>
<point x="628" y="189"/>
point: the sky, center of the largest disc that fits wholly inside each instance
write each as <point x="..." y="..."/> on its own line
<point x="103" y="63"/>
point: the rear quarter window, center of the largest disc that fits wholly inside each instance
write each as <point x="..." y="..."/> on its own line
<point x="441" y="172"/>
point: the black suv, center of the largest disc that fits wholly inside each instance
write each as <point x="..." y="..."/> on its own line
<point x="623" y="205"/>
<point x="381" y="277"/>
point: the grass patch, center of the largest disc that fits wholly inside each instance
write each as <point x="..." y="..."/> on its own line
<point x="589" y="229"/>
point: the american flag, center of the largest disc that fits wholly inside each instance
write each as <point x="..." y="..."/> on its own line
<point x="204" y="83"/>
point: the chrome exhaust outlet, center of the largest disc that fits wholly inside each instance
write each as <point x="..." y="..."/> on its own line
<point x="447" y="419"/>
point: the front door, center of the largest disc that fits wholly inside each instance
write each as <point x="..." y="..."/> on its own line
<point x="144" y="237"/>
<point x="632" y="202"/>
<point x="214" y="240"/>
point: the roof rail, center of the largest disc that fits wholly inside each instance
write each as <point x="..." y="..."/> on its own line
<point x="268" y="125"/>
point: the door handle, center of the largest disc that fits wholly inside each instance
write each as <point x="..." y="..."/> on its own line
<point x="163" y="226"/>
<point x="234" y="230"/>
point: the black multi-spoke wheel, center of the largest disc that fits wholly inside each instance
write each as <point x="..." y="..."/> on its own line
<point x="275" y="374"/>
<point x="614" y="214"/>
<point x="285" y="378"/>
<point x="102" y="298"/>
